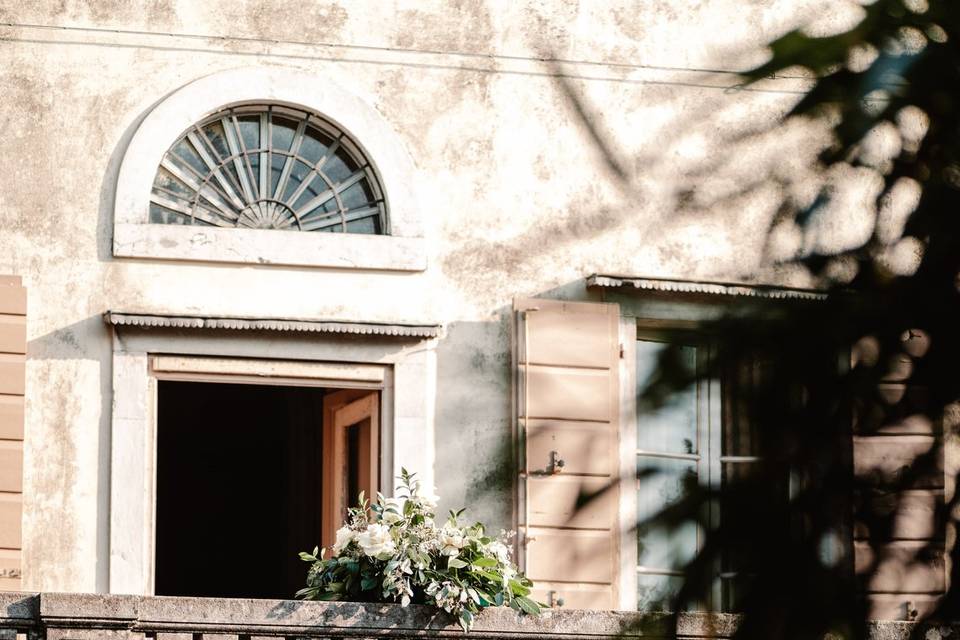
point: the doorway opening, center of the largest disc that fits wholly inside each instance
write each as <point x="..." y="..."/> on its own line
<point x="248" y="475"/>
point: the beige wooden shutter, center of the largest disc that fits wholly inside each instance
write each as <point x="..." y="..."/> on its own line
<point x="907" y="570"/>
<point x="568" y="415"/>
<point x="13" y="349"/>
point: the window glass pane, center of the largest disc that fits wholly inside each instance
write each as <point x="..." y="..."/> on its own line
<point x="323" y="211"/>
<point x="316" y="187"/>
<point x="357" y="196"/>
<point x="185" y="151"/>
<point x="363" y="225"/>
<point x="339" y="167"/>
<point x="673" y="427"/>
<point x="277" y="163"/>
<point x="657" y="592"/>
<point x="314" y="146"/>
<point x="298" y="173"/>
<point x="661" y="482"/>
<point x="250" y="130"/>
<point x="214" y="133"/>
<point x="283" y="133"/>
<point x="162" y="215"/>
<point x="166" y="180"/>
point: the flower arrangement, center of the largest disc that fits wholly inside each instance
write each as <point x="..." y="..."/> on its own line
<point x="392" y="550"/>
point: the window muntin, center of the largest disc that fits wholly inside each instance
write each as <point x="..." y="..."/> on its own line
<point x="268" y="167"/>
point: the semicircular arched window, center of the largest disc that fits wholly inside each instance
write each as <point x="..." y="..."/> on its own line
<point x="261" y="166"/>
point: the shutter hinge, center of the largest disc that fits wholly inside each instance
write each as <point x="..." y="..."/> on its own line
<point x="621" y="351"/>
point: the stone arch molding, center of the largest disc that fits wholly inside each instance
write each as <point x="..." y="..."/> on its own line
<point x="135" y="237"/>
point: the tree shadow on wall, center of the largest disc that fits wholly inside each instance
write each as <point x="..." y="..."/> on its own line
<point x="838" y="511"/>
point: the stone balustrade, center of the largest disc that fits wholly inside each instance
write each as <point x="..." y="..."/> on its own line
<point x="67" y="616"/>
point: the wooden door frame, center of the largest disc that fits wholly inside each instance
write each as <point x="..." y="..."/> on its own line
<point x="359" y="377"/>
<point x="407" y="367"/>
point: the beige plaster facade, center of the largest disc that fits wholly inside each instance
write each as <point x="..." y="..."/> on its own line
<point x="508" y="193"/>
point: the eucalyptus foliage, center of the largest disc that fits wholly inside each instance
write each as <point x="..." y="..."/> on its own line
<point x="391" y="550"/>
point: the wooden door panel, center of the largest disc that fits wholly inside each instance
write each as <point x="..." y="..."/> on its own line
<point x="11" y="512"/>
<point x="11" y="417"/>
<point x="904" y="567"/>
<point x="574" y="595"/>
<point x="574" y="556"/>
<point x="571" y="501"/>
<point x="11" y="465"/>
<point x="885" y="459"/>
<point x="571" y="394"/>
<point x="572" y="339"/>
<point x="584" y="447"/>
<point x="343" y="410"/>
<point x="13" y="334"/>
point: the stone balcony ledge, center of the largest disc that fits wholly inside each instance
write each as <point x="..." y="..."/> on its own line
<point x="70" y="616"/>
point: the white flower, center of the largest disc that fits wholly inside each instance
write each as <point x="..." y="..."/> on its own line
<point x="451" y="541"/>
<point x="376" y="542"/>
<point x="392" y="511"/>
<point x="500" y="551"/>
<point x="344" y="537"/>
<point x="424" y="498"/>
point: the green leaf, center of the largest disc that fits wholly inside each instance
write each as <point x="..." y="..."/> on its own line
<point x="454" y="563"/>
<point x="308" y="593"/>
<point x="518" y="589"/>
<point x="528" y="605"/>
<point x="368" y="583"/>
<point x="485" y="562"/>
<point x="307" y="557"/>
<point x="466" y="620"/>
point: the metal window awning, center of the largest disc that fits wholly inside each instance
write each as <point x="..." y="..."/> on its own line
<point x="124" y="319"/>
<point x="701" y="287"/>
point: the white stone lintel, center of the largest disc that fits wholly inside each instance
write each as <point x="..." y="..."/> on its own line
<point x="269" y="247"/>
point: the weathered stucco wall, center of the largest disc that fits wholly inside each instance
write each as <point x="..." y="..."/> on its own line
<point x="517" y="199"/>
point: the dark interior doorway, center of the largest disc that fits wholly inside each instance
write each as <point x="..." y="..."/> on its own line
<point x="238" y="488"/>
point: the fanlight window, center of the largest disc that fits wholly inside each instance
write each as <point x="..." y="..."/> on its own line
<point x="268" y="167"/>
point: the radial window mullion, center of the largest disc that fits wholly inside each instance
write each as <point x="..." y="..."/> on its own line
<point x="350" y="181"/>
<point x="291" y="159"/>
<point x="314" y="173"/>
<point x="222" y="164"/>
<point x="321" y="198"/>
<point x="168" y="202"/>
<point x="212" y="195"/>
<point x="187" y="175"/>
<point x="265" y="154"/>
<point x="238" y="146"/>
<point x="335" y="218"/>
<point x="215" y="170"/>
